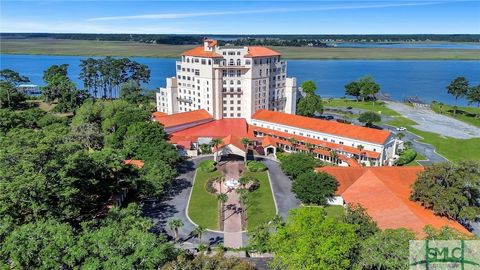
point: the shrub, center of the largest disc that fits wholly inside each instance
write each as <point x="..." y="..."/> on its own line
<point x="406" y="157"/>
<point x="256" y="166"/>
<point x="205" y="149"/>
<point x="255" y="184"/>
<point x="209" y="185"/>
<point x="207" y="166"/>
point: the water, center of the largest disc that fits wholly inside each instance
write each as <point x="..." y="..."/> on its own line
<point x="458" y="46"/>
<point x="399" y="78"/>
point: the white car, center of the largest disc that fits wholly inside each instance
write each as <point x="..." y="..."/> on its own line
<point x="401" y="128"/>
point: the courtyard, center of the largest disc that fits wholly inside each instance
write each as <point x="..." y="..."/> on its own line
<point x="224" y="225"/>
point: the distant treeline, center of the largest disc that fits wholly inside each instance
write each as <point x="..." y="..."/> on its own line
<point x="270" y="40"/>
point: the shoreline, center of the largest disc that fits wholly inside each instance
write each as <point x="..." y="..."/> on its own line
<point x="285" y="58"/>
<point x="93" y="48"/>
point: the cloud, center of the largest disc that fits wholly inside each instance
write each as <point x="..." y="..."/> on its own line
<point x="82" y="27"/>
<point x="163" y="16"/>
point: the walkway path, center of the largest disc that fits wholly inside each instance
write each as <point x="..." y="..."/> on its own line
<point x="232" y="225"/>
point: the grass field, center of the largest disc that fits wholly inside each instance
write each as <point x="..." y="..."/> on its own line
<point x="367" y="105"/>
<point x="466" y="114"/>
<point x="414" y="162"/>
<point x="127" y="48"/>
<point x="262" y="207"/>
<point x="335" y="211"/>
<point x="451" y="148"/>
<point x="203" y="206"/>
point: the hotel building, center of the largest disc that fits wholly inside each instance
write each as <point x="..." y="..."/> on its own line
<point x="236" y="92"/>
<point x="229" y="82"/>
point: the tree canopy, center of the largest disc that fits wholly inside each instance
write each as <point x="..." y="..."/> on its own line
<point x="297" y="163"/>
<point x="451" y="190"/>
<point x="365" y="87"/>
<point x="388" y="250"/>
<point x="369" y="118"/>
<point x="10" y="97"/>
<point x="458" y="88"/>
<point x="310" y="240"/>
<point x="314" y="188"/>
<point x="311" y="103"/>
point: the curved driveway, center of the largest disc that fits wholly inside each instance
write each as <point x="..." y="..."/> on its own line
<point x="174" y="203"/>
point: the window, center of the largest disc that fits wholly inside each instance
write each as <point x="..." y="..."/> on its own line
<point x="238" y="53"/>
<point x="239" y="102"/>
<point x="239" y="82"/>
<point x="238" y="62"/>
<point x="197" y="72"/>
<point x="239" y="73"/>
<point x="231" y="114"/>
<point x="231" y="102"/>
<point x="238" y="115"/>
<point x="332" y="141"/>
<point x="224" y="101"/>
<point x="340" y="143"/>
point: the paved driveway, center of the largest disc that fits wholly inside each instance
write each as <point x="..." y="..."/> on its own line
<point x="174" y="203"/>
<point x="430" y="121"/>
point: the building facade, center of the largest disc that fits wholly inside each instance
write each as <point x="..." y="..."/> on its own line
<point x="229" y="82"/>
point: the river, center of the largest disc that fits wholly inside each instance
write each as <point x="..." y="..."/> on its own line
<point x="399" y="78"/>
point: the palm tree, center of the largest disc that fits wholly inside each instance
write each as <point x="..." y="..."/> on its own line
<point x="219" y="180"/>
<point x="245" y="141"/>
<point x="360" y="147"/>
<point x="216" y="142"/>
<point x="333" y="154"/>
<point x="174" y="225"/>
<point x="222" y="198"/>
<point x="400" y="136"/>
<point x="244" y="180"/>
<point x="198" y="232"/>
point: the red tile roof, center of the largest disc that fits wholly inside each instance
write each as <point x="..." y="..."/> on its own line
<point x="218" y="128"/>
<point x="177" y="119"/>
<point x="211" y="42"/>
<point x="324" y="126"/>
<point x="259" y="51"/>
<point x="339" y="147"/>
<point x="200" y="52"/>
<point x="232" y="140"/>
<point x="385" y="193"/>
<point x="135" y="162"/>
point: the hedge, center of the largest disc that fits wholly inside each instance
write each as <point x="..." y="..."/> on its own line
<point x="256" y="166"/>
<point x="207" y="166"/>
<point x="406" y="157"/>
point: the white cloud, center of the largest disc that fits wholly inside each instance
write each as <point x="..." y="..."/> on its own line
<point x="162" y="16"/>
<point x="69" y="27"/>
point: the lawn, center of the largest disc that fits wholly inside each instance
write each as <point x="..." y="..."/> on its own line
<point x="466" y="114"/>
<point x="453" y="149"/>
<point x="375" y="106"/>
<point x="262" y="207"/>
<point x="335" y="211"/>
<point x="129" y="48"/>
<point x="414" y="162"/>
<point x="203" y="206"/>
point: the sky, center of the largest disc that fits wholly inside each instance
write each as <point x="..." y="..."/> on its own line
<point x="241" y="17"/>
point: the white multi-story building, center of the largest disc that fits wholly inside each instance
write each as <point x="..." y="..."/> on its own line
<point x="229" y="82"/>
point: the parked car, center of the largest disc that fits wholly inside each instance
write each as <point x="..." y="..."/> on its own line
<point x="401" y="128"/>
<point x="329" y="117"/>
<point x="343" y="121"/>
